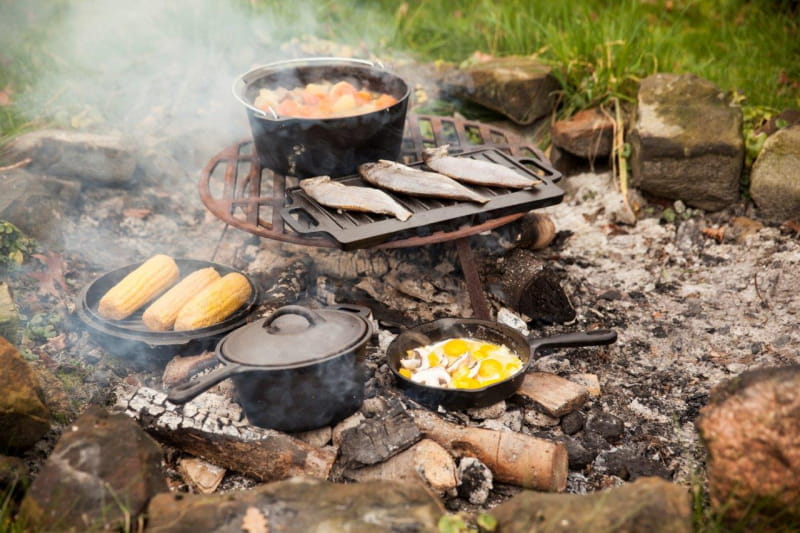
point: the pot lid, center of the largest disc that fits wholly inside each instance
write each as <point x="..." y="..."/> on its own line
<point x="295" y="336"/>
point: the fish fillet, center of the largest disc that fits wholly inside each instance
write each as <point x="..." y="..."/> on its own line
<point x="475" y="171"/>
<point x="331" y="193"/>
<point x="401" y="178"/>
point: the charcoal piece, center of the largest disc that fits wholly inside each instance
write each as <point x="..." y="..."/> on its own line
<point x="609" y="426"/>
<point x="572" y="423"/>
<point x="530" y="286"/>
<point x="377" y="439"/>
<point x="476" y="480"/>
<point x="628" y="465"/>
<point x="579" y="455"/>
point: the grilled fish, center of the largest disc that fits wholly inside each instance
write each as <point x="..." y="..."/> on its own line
<point x="401" y="178"/>
<point x="475" y="171"/>
<point x="331" y="193"/>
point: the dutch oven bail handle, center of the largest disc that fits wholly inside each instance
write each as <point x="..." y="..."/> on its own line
<point x="595" y="337"/>
<point x="187" y="390"/>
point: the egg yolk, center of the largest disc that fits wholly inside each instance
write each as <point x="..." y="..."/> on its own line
<point x="455" y="347"/>
<point x="466" y="382"/>
<point x="406" y="373"/>
<point x="490" y="368"/>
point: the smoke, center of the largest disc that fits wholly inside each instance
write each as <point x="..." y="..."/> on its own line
<point x="152" y="67"/>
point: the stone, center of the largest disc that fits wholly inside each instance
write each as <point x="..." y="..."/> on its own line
<point x="36" y="204"/>
<point x="521" y="88"/>
<point x="648" y="504"/>
<point x="589" y="133"/>
<point x="300" y="505"/>
<point x="102" y="159"/>
<point x="775" y="177"/>
<point x="555" y="395"/>
<point x="101" y="474"/>
<point x="751" y="431"/>
<point x="687" y="141"/>
<point x="24" y="416"/>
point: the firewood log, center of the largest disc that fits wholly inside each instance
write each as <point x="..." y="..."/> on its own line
<point x="513" y="458"/>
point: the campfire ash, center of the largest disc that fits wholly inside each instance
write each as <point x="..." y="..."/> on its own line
<point x="692" y="308"/>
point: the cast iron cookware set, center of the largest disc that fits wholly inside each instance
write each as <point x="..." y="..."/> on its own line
<point x="302" y="368"/>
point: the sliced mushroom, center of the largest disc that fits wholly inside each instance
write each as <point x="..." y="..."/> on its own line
<point x="460" y="360"/>
<point x="415" y="360"/>
<point x="473" y="368"/>
<point x="435" y="376"/>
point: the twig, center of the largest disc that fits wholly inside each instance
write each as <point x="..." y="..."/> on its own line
<point x="764" y="302"/>
<point x="18" y="164"/>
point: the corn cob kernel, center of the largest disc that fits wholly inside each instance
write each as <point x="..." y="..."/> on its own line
<point x="161" y="314"/>
<point x="143" y="284"/>
<point x="214" y="303"/>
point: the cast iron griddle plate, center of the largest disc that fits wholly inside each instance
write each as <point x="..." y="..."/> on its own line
<point x="353" y="229"/>
<point x="132" y="328"/>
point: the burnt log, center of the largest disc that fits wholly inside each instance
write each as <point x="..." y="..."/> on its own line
<point x="513" y="458"/>
<point x="212" y="428"/>
<point x="285" y="290"/>
<point x="377" y="439"/>
<point x="426" y="461"/>
<point x="530" y="286"/>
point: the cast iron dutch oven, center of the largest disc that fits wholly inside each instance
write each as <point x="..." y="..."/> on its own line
<point x="493" y="332"/>
<point x="296" y="370"/>
<point x="306" y="147"/>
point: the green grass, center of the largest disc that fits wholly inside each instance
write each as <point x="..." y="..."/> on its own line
<point x="52" y="65"/>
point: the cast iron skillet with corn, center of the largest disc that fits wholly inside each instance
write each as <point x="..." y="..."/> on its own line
<point x="165" y="302"/>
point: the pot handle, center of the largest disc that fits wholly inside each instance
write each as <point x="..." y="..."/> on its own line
<point x="595" y="337"/>
<point x="311" y="316"/>
<point x="184" y="392"/>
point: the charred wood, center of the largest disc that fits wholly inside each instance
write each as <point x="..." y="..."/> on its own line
<point x="530" y="286"/>
<point x="378" y="439"/>
<point x="285" y="290"/>
<point x="212" y="428"/>
<point x="425" y="461"/>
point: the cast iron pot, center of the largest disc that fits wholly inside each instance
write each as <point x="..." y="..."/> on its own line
<point x="306" y="147"/>
<point x="493" y="332"/>
<point x="296" y="370"/>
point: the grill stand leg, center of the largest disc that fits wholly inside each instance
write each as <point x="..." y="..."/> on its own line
<point x="480" y="306"/>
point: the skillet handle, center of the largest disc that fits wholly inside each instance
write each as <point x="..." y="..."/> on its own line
<point x="595" y="337"/>
<point x="187" y="390"/>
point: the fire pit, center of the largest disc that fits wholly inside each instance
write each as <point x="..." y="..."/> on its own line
<point x="235" y="188"/>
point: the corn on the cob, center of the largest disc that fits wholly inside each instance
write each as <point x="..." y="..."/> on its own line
<point x="215" y="303"/>
<point x="143" y="284"/>
<point x="161" y="314"/>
